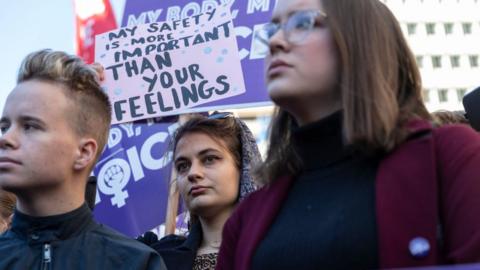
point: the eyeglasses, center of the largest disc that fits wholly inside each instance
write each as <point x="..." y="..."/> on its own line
<point x="296" y="28"/>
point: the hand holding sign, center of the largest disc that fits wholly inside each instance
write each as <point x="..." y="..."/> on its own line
<point x="100" y="71"/>
<point x="168" y="68"/>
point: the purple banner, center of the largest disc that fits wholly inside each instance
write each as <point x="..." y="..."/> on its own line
<point x="133" y="175"/>
<point x="249" y="16"/>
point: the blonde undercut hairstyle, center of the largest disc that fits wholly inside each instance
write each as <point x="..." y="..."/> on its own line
<point x="91" y="112"/>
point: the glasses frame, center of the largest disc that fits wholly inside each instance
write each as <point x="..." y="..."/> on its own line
<point x="271" y="28"/>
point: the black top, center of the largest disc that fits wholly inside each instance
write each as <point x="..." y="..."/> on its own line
<point x="179" y="252"/>
<point x="71" y="241"/>
<point x="328" y="219"/>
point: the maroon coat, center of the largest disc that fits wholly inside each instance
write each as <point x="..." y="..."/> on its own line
<point x="427" y="183"/>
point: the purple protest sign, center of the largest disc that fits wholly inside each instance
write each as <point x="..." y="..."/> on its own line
<point x="168" y="68"/>
<point x="137" y="203"/>
<point x="133" y="175"/>
<point x="249" y="16"/>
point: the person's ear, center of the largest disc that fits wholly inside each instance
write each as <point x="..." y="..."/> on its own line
<point x="87" y="151"/>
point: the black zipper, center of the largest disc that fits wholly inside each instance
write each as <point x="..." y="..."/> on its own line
<point x="46" y="257"/>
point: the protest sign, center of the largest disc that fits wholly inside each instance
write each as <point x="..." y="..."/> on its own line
<point x="165" y="68"/>
<point x="133" y="176"/>
<point x="249" y="17"/>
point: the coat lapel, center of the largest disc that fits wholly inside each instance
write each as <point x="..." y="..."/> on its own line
<point x="270" y="204"/>
<point x="407" y="202"/>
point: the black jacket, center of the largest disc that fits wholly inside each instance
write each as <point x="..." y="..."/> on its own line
<point x="178" y="252"/>
<point x="71" y="241"/>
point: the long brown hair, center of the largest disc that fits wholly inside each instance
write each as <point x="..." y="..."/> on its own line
<point x="379" y="82"/>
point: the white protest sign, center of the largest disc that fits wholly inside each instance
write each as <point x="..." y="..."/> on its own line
<point x="166" y="68"/>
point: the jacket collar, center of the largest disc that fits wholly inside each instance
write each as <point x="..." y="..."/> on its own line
<point x="419" y="126"/>
<point x="194" y="238"/>
<point x="52" y="228"/>
<point x="322" y="143"/>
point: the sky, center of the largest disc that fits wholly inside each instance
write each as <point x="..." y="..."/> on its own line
<point x="30" y="25"/>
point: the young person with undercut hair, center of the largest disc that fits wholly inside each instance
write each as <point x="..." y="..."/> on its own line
<point x="54" y="126"/>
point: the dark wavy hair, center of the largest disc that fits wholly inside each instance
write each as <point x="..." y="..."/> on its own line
<point x="224" y="130"/>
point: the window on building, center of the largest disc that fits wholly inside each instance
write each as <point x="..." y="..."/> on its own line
<point x="448" y="28"/>
<point x="442" y="95"/>
<point x="430" y="28"/>
<point x="426" y="95"/>
<point x="419" y="60"/>
<point x="436" y="61"/>
<point x="473" y="61"/>
<point x="455" y="61"/>
<point x="467" y="28"/>
<point x="461" y="93"/>
<point x="411" y="28"/>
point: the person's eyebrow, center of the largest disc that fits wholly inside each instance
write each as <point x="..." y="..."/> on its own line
<point x="207" y="151"/>
<point x="4" y="120"/>
<point x="201" y="153"/>
<point x="180" y="158"/>
<point x="30" y="118"/>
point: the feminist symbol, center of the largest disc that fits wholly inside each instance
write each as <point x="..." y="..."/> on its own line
<point x="112" y="179"/>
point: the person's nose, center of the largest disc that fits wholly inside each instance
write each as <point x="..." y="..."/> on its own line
<point x="8" y="140"/>
<point x="195" y="173"/>
<point x="278" y="42"/>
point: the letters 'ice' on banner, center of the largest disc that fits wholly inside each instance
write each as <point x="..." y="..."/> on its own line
<point x="167" y="68"/>
<point x="133" y="176"/>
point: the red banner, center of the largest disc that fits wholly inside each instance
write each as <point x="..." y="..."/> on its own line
<point x="92" y="17"/>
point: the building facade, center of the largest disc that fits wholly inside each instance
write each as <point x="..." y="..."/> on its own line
<point x="445" y="38"/>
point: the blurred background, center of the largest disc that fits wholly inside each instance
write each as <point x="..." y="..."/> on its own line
<point x="28" y="25"/>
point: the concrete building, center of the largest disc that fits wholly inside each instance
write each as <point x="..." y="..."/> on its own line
<point x="445" y="37"/>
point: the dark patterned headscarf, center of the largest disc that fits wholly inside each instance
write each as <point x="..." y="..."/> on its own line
<point x="250" y="157"/>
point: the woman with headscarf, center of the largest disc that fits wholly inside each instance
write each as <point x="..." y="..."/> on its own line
<point x="213" y="158"/>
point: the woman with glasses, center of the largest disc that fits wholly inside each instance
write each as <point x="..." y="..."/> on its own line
<point x="213" y="157"/>
<point x="356" y="176"/>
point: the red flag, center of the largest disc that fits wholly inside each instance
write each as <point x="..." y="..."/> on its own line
<point x="93" y="17"/>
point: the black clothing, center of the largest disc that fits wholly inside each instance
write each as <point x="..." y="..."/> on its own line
<point x="328" y="219"/>
<point x="71" y="241"/>
<point x="179" y="252"/>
